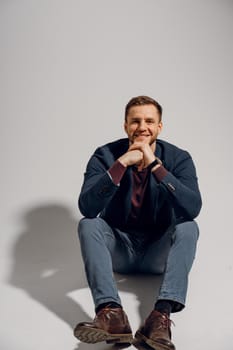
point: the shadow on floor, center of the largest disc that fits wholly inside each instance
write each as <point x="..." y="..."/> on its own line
<point x="47" y="264"/>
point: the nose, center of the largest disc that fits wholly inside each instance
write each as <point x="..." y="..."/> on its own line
<point x="142" y="125"/>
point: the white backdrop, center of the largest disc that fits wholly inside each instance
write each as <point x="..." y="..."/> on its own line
<point x="67" y="70"/>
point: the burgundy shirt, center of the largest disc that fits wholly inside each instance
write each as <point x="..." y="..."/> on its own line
<point x="140" y="181"/>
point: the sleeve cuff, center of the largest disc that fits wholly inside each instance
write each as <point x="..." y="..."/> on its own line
<point x="160" y="173"/>
<point x="116" y="172"/>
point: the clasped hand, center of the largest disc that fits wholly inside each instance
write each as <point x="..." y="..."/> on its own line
<point x="140" y="154"/>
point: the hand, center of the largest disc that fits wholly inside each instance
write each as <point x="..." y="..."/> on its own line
<point x="146" y="149"/>
<point x="131" y="157"/>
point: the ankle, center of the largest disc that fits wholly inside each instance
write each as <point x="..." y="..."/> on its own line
<point x="164" y="306"/>
<point x="110" y="304"/>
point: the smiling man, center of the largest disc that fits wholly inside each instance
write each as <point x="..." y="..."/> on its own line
<point x="139" y="199"/>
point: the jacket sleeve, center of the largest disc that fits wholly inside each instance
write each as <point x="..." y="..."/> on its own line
<point x="97" y="189"/>
<point x="181" y="186"/>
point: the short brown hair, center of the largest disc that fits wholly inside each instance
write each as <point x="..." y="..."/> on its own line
<point x="143" y="100"/>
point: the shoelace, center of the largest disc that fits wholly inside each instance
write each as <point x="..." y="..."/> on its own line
<point x="105" y="312"/>
<point x="166" y="322"/>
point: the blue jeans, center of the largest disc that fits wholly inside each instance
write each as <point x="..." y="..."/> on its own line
<point x="106" y="250"/>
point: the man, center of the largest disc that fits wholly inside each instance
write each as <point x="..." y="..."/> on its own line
<point x="139" y="198"/>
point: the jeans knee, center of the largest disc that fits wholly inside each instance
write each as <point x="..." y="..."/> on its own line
<point x="86" y="225"/>
<point x="188" y="231"/>
<point x="94" y="227"/>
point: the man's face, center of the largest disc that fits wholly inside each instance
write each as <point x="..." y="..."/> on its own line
<point x="142" y="124"/>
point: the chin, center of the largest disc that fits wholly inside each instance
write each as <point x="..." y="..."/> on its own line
<point x="143" y="138"/>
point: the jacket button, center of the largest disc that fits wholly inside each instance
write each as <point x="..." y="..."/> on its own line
<point x="171" y="187"/>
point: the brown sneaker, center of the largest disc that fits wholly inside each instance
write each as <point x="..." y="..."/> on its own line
<point x="110" y="325"/>
<point x="156" y="332"/>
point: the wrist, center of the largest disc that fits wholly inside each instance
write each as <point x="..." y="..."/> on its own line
<point x="155" y="164"/>
<point x="155" y="167"/>
<point x="123" y="161"/>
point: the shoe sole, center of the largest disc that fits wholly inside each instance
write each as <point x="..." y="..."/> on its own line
<point x="153" y="344"/>
<point x="93" y="335"/>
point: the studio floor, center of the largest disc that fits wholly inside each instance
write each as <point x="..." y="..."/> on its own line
<point x="44" y="292"/>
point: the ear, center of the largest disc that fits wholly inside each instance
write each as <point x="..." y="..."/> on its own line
<point x="160" y="127"/>
<point x="125" y="127"/>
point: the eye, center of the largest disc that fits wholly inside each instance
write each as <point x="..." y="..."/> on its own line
<point x="134" y="121"/>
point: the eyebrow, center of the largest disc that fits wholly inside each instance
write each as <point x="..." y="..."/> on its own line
<point x="147" y="119"/>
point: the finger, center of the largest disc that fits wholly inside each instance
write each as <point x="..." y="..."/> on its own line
<point x="136" y="145"/>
